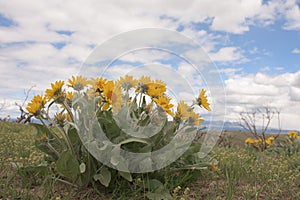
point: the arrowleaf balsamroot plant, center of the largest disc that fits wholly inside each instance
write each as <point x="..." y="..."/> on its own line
<point x="144" y="102"/>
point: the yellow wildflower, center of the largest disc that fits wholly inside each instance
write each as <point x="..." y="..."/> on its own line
<point x="60" y="118"/>
<point x="202" y="100"/>
<point x="249" y="141"/>
<point x="116" y="98"/>
<point x="108" y="91"/>
<point x="55" y="92"/>
<point x="258" y="141"/>
<point x="77" y="83"/>
<point x="270" y="140"/>
<point x="143" y="84"/>
<point x="164" y="103"/>
<point x="214" y="167"/>
<point x="97" y="86"/>
<point x="156" y="88"/>
<point x="185" y="112"/>
<point x="69" y="96"/>
<point x="113" y="95"/>
<point x="37" y="103"/>
<point x="127" y="82"/>
<point x="182" y="110"/>
<point x="292" y="134"/>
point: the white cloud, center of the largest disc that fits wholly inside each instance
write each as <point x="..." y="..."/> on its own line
<point x="295" y="93"/>
<point x="292" y="15"/>
<point x="228" y="54"/>
<point x="28" y="55"/>
<point x="265" y="69"/>
<point x="296" y="51"/>
<point x="245" y="92"/>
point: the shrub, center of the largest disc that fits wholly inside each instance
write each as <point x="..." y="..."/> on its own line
<point x="99" y="121"/>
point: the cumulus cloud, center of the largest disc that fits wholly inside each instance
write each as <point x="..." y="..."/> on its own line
<point x="292" y="15"/>
<point x="228" y="54"/>
<point x="49" y="40"/>
<point x="296" y="51"/>
<point x="245" y="92"/>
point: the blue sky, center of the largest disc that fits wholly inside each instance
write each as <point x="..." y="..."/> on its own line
<point x="254" y="43"/>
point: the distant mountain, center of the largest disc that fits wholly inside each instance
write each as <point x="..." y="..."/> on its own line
<point x="214" y="125"/>
<point x="234" y="126"/>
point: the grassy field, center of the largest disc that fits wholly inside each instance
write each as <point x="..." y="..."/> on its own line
<point x="242" y="173"/>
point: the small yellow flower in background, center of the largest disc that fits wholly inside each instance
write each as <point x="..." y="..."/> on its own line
<point x="258" y="141"/>
<point x="164" y="102"/>
<point x="77" y="83"/>
<point x="292" y="134"/>
<point x="127" y="82"/>
<point x="249" y="141"/>
<point x="202" y="100"/>
<point x="177" y="189"/>
<point x="186" y="191"/>
<point x="214" y="167"/>
<point x="37" y="103"/>
<point x="270" y="140"/>
<point x="55" y="92"/>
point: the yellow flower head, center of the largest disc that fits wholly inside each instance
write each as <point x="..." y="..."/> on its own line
<point x="116" y="98"/>
<point x="214" y="167"/>
<point x="77" y="83"/>
<point x="156" y="88"/>
<point x="143" y="84"/>
<point x="182" y="111"/>
<point x="69" y="96"/>
<point x="195" y="118"/>
<point x="164" y="103"/>
<point x="202" y="100"/>
<point x="292" y="134"/>
<point x="60" y="118"/>
<point x="270" y="140"/>
<point x="113" y="95"/>
<point x="36" y="104"/>
<point x="185" y="112"/>
<point x="249" y="141"/>
<point x="55" y="92"/>
<point x="127" y="82"/>
<point x="97" y="86"/>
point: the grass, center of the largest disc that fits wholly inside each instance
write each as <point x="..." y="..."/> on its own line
<point x="243" y="173"/>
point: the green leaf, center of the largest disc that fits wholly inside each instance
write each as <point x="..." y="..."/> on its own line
<point x="104" y="176"/>
<point x="54" y="142"/>
<point x="74" y="138"/>
<point x="157" y="191"/>
<point x="68" y="166"/>
<point x="126" y="175"/>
